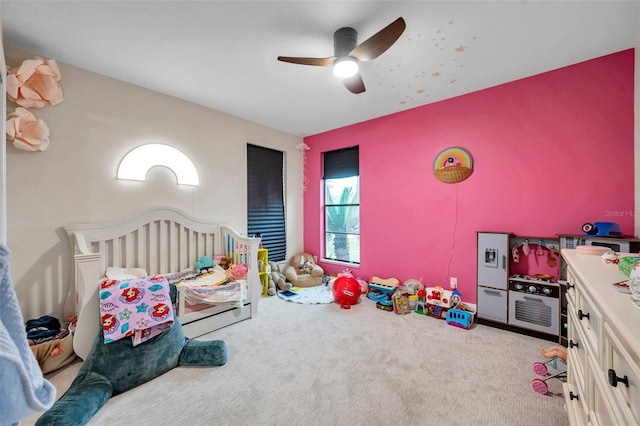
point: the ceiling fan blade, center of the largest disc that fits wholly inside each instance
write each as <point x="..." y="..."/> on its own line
<point x="354" y="84"/>
<point x="321" y="62"/>
<point x="378" y="43"/>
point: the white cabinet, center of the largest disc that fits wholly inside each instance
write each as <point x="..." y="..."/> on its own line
<point x="603" y="373"/>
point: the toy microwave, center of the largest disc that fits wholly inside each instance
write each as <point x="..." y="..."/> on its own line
<point x="602" y="229"/>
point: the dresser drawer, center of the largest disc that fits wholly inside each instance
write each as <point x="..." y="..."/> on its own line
<point x="571" y="298"/>
<point x="618" y="368"/>
<point x="576" y="409"/>
<point x="590" y="321"/>
<point x="605" y="409"/>
<point x="604" y="344"/>
<point x="577" y="351"/>
<point x="576" y="395"/>
<point x="571" y="286"/>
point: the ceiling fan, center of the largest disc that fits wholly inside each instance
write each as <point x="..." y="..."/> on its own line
<point x="347" y="53"/>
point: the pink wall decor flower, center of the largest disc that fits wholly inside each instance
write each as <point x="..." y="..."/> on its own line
<point x="35" y="83"/>
<point x="26" y="131"/>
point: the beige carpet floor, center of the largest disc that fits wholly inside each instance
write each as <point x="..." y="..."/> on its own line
<point x="299" y="364"/>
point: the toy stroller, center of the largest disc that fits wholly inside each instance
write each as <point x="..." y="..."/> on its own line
<point x="559" y="370"/>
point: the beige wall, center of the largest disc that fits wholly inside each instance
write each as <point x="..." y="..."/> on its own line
<point x="73" y="181"/>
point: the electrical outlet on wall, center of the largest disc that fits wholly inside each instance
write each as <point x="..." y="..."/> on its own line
<point x="453" y="282"/>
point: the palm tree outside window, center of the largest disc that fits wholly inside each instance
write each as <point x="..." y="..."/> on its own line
<point x="342" y="205"/>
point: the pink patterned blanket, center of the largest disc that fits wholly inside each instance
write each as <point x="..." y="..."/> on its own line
<point x="140" y="308"/>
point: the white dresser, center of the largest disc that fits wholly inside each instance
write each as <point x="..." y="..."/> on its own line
<point x="603" y="365"/>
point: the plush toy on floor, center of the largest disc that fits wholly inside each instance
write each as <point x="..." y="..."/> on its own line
<point x="271" y="286"/>
<point x="302" y="271"/>
<point x="113" y="368"/>
<point x="278" y="279"/>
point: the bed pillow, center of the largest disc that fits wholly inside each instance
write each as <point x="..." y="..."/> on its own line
<point x="125" y="273"/>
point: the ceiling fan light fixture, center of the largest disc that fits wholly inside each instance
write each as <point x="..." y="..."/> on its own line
<point x="345" y="67"/>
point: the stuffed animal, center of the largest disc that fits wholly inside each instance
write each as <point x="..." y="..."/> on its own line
<point x="204" y="264"/>
<point x="113" y="368"/>
<point x="305" y="268"/>
<point x="279" y="280"/>
<point x="225" y="263"/>
<point x="271" y="289"/>
<point x="237" y="272"/>
<point x="271" y="285"/>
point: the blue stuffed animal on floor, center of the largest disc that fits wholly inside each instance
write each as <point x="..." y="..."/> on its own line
<point x="113" y="368"/>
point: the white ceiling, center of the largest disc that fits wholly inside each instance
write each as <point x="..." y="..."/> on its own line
<point x="222" y="54"/>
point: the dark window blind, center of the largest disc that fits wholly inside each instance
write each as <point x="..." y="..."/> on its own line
<point x="265" y="204"/>
<point x="341" y="163"/>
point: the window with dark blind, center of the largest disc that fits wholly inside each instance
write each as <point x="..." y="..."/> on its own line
<point x="341" y="175"/>
<point x="265" y="204"/>
<point x="341" y="163"/>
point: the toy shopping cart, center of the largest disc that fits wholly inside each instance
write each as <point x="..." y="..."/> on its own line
<point x="555" y="368"/>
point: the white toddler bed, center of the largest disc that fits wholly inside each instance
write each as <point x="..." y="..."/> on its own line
<point x="160" y="240"/>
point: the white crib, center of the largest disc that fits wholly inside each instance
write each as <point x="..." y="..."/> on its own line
<point x="160" y="240"/>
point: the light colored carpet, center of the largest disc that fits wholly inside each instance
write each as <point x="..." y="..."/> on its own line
<point x="322" y="365"/>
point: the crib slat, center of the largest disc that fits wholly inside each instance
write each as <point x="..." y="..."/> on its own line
<point x="162" y="244"/>
<point x="216" y="244"/>
<point x="115" y="249"/>
<point x="128" y="250"/>
<point x="199" y="245"/>
<point x="139" y="255"/>
<point x="105" y="255"/>
<point x="205" y="249"/>
<point x="153" y="247"/>
<point x="171" y="255"/>
<point x="183" y="251"/>
<point x="190" y="238"/>
<point x="144" y="252"/>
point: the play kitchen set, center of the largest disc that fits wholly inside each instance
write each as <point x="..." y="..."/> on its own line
<point x="518" y="285"/>
<point x="521" y="280"/>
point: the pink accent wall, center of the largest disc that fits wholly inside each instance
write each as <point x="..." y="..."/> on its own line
<point x="550" y="152"/>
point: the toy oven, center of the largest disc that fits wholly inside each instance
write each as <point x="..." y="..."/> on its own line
<point x="535" y="306"/>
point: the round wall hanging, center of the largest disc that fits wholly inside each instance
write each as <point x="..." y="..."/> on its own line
<point x="453" y="165"/>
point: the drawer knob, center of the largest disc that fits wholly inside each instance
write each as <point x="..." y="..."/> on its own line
<point x="614" y="379"/>
<point x="570" y="286"/>
<point x="573" y="344"/>
<point x="582" y="315"/>
<point x="573" y="396"/>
